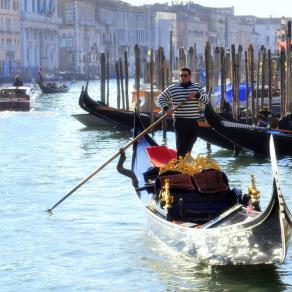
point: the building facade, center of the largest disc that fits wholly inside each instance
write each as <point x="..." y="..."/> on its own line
<point x="124" y="27"/>
<point x="39" y="36"/>
<point x="80" y="37"/>
<point x="9" y="38"/>
<point x="165" y="22"/>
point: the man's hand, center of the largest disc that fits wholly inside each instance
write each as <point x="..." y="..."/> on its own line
<point x="192" y="95"/>
<point x="169" y="112"/>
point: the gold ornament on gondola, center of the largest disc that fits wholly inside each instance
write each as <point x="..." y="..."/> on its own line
<point x="165" y="196"/>
<point x="253" y="191"/>
<point x="190" y="165"/>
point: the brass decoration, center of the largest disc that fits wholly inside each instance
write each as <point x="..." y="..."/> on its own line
<point x="190" y="165"/>
<point x="165" y="196"/>
<point x="253" y="192"/>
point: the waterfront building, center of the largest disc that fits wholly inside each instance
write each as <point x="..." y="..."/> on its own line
<point x="164" y="23"/>
<point x="124" y="27"/>
<point x="9" y="38"/>
<point x="80" y="37"/>
<point x="39" y="36"/>
<point x="266" y="29"/>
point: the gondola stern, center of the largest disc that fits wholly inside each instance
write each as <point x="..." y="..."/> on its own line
<point x="285" y="217"/>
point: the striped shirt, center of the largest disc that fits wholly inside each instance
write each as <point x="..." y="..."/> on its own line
<point x="176" y="94"/>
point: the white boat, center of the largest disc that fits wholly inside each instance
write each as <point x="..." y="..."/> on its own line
<point x="14" y="98"/>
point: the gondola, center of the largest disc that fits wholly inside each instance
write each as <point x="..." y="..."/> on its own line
<point x="239" y="235"/>
<point x="51" y="90"/>
<point x="102" y="114"/>
<point x="248" y="136"/>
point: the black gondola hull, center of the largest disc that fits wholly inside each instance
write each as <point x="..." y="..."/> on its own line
<point x="50" y="90"/>
<point x="249" y="137"/>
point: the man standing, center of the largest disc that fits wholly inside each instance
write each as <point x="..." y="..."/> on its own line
<point x="17" y="82"/>
<point x="186" y="115"/>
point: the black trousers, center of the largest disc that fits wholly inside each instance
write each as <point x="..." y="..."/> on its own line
<point x="185" y="135"/>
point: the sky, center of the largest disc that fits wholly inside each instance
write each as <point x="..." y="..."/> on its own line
<point x="258" y="8"/>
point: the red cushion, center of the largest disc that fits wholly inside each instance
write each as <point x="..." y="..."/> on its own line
<point x="160" y="155"/>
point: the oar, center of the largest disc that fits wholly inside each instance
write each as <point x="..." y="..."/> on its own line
<point x="112" y="158"/>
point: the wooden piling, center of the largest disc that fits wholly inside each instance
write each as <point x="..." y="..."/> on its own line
<point x="126" y="66"/>
<point x="102" y="77"/>
<point x="233" y="75"/>
<point x="207" y="64"/>
<point x="107" y="78"/>
<point x="252" y="81"/>
<point x="246" y="87"/>
<point x="263" y="71"/>
<point x="170" y="55"/>
<point x="282" y="80"/>
<point x="288" y="103"/>
<point x="137" y="75"/>
<point x="191" y="61"/>
<point x="238" y="80"/>
<point x="122" y="83"/>
<point x="258" y="83"/>
<point x="182" y="58"/>
<point x="152" y="69"/>
<point x="163" y="75"/>
<point x="270" y="79"/>
<point x="223" y="77"/>
<point x="118" y="85"/>
<point x="216" y="71"/>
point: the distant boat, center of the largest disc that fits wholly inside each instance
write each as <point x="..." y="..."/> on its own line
<point x="14" y="98"/>
<point x="52" y="87"/>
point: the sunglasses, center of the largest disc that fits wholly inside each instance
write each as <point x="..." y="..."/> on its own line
<point x="184" y="75"/>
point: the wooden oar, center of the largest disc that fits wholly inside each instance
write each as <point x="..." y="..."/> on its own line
<point x="112" y="158"/>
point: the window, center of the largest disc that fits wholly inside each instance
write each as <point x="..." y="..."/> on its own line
<point x="69" y="13"/>
<point x="70" y="41"/>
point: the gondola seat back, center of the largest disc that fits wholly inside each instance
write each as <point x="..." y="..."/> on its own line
<point x="198" y="198"/>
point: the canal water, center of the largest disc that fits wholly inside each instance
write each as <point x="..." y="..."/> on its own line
<point x="98" y="239"/>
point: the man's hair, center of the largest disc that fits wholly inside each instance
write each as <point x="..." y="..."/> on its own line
<point x="186" y="69"/>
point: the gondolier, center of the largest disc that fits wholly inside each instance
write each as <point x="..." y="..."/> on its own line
<point x="185" y="116"/>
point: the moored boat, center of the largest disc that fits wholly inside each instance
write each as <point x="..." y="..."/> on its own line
<point x="237" y="235"/>
<point x="251" y="137"/>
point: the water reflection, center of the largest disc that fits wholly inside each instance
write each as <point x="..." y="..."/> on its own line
<point x="181" y="274"/>
<point x="246" y="278"/>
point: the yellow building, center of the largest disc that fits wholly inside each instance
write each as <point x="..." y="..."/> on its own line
<point x="9" y="38"/>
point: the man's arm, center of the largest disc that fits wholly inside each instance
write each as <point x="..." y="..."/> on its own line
<point x="200" y="95"/>
<point x="163" y="99"/>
